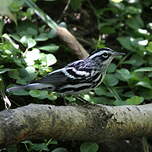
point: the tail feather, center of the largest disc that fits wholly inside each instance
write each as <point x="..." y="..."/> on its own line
<point x="32" y="86"/>
<point x="16" y="88"/>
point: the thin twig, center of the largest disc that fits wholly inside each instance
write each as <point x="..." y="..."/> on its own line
<point x="65" y="9"/>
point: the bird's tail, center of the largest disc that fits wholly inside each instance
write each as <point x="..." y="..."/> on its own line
<point x="32" y="86"/>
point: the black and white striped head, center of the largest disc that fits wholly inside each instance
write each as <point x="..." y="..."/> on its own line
<point x="103" y="57"/>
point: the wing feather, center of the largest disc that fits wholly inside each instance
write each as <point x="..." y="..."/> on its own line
<point x="54" y="78"/>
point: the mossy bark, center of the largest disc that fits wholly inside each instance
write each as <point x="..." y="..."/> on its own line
<point x="97" y="123"/>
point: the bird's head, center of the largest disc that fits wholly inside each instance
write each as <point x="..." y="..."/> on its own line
<point x="103" y="57"/>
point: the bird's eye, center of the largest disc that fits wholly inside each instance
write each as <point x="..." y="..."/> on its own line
<point x="105" y="55"/>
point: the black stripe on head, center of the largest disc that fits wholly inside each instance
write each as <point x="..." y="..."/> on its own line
<point x="105" y="49"/>
<point x="101" y="54"/>
<point x="101" y="49"/>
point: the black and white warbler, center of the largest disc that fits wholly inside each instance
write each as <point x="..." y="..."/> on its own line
<point x="77" y="76"/>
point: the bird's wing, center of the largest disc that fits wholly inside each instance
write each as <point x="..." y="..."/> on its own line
<point x="54" y="78"/>
<point x="74" y="72"/>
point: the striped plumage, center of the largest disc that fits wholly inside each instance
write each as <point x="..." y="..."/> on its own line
<point x="77" y="76"/>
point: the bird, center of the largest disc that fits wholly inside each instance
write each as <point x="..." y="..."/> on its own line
<point x="76" y="77"/>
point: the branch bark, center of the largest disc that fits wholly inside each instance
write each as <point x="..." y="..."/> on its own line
<point x="72" y="42"/>
<point x="97" y="123"/>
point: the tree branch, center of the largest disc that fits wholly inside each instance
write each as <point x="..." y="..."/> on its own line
<point x="97" y="123"/>
<point x="72" y="42"/>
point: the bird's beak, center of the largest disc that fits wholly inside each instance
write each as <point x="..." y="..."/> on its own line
<point x="118" y="53"/>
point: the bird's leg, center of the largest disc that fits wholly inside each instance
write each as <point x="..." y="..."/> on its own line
<point x="77" y="97"/>
<point x="65" y="101"/>
<point x="83" y="100"/>
<point x="68" y="99"/>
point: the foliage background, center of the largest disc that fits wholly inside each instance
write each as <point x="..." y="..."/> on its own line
<point x="29" y="49"/>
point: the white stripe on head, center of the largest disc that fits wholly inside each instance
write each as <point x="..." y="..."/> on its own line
<point x="99" y="52"/>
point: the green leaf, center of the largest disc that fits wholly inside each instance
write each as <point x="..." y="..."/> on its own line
<point x="125" y="74"/>
<point x="125" y="42"/>
<point x="31" y="56"/>
<point x="145" y="83"/>
<point x="111" y="68"/>
<point x="4" y="70"/>
<point x="144" y="69"/>
<point x="52" y="96"/>
<point x="16" y="6"/>
<point x="101" y="100"/>
<point x="135" y="60"/>
<point x="111" y="80"/>
<point x="89" y="147"/>
<point x="31" y="42"/>
<point x="42" y="37"/>
<point x="51" y="59"/>
<point x="23" y="40"/>
<point x="32" y="31"/>
<point x="15" y="37"/>
<point x="135" y="22"/>
<point x="40" y="147"/>
<point x="119" y="103"/>
<point x="47" y="59"/>
<point x="149" y="47"/>
<point x="107" y="30"/>
<point x="20" y="93"/>
<point x="31" y="73"/>
<point x="27" y="29"/>
<point x="50" y="48"/>
<point x="8" y="37"/>
<point x="133" y="44"/>
<point x="23" y="75"/>
<point x="59" y="149"/>
<point x="75" y="4"/>
<point x="128" y="94"/>
<point x="41" y="94"/>
<point x="100" y="91"/>
<point x="135" y="100"/>
<point x="14" y="74"/>
<point x="133" y="10"/>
